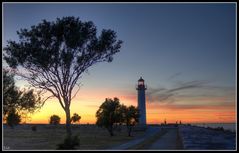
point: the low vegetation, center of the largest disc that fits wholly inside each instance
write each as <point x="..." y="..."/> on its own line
<point x="69" y="143"/>
<point x="13" y="118"/>
<point x="48" y="137"/>
<point x="55" y="120"/>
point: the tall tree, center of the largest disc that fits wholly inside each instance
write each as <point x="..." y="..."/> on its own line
<point x="54" y="55"/>
<point x="108" y="114"/>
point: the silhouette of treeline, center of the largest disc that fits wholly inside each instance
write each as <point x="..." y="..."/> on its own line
<point x="111" y="113"/>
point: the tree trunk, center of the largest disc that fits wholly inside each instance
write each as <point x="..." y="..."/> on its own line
<point x="68" y="121"/>
<point x="129" y="130"/>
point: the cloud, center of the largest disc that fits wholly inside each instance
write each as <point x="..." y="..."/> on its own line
<point x="174" y="76"/>
<point x="164" y="95"/>
<point x="188" y="85"/>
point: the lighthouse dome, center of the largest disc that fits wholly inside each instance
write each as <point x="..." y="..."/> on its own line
<point x="141" y="79"/>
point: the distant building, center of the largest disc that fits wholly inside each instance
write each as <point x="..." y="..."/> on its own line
<point x="141" y="87"/>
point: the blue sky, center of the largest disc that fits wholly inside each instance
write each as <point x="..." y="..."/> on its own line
<point x="160" y="40"/>
<point x="181" y="50"/>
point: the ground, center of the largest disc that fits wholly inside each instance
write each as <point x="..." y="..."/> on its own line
<point x="95" y="138"/>
<point x="47" y="137"/>
<point x="206" y="139"/>
<point x="155" y="138"/>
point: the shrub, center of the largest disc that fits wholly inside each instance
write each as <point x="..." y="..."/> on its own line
<point x="34" y="128"/>
<point x="75" y="118"/>
<point x="55" y="119"/>
<point x="13" y="118"/>
<point x="69" y="143"/>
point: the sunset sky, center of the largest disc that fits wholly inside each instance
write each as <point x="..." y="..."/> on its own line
<point x="186" y="53"/>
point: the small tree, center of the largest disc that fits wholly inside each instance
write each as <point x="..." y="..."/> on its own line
<point x="108" y="114"/>
<point x="23" y="102"/>
<point x="13" y="118"/>
<point x="75" y="118"/>
<point x="131" y="117"/>
<point x="55" y="120"/>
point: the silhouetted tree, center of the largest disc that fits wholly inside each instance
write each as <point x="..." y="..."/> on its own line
<point x="121" y="115"/>
<point x="131" y="117"/>
<point x="11" y="94"/>
<point x="34" y="128"/>
<point x="54" y="55"/>
<point x="108" y="114"/>
<point x="75" y="118"/>
<point x="55" y="120"/>
<point x="13" y="118"/>
<point x="18" y="101"/>
<point x="165" y="122"/>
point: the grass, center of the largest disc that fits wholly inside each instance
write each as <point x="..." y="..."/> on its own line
<point x="47" y="137"/>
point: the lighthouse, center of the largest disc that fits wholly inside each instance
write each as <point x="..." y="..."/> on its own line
<point x="141" y="87"/>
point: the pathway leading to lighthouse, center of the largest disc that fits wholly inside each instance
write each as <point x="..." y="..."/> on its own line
<point x="168" y="141"/>
<point x="155" y="139"/>
<point x="151" y="131"/>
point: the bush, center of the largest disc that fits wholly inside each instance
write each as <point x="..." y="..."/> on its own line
<point x="69" y="143"/>
<point x="13" y="119"/>
<point x="34" y="128"/>
<point x="55" y="119"/>
<point x="219" y="129"/>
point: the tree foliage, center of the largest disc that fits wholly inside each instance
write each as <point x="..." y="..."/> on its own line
<point x="112" y="112"/>
<point x="11" y="94"/>
<point x="108" y="114"/>
<point x="75" y="118"/>
<point x="131" y="117"/>
<point x="55" y="120"/>
<point x="13" y="118"/>
<point x="55" y="54"/>
<point x="15" y="100"/>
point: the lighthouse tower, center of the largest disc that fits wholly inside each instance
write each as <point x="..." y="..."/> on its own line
<point x="141" y="87"/>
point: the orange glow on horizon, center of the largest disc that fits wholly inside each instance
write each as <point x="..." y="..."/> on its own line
<point x="86" y="104"/>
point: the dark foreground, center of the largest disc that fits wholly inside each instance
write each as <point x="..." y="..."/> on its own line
<point x="91" y="137"/>
<point x="47" y="137"/>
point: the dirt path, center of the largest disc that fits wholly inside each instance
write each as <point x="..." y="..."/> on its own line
<point x="149" y="133"/>
<point x="168" y="141"/>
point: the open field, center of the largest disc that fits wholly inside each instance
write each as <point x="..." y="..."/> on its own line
<point x="48" y="136"/>
<point x="94" y="138"/>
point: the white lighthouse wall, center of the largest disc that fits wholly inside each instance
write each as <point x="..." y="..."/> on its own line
<point x="141" y="106"/>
